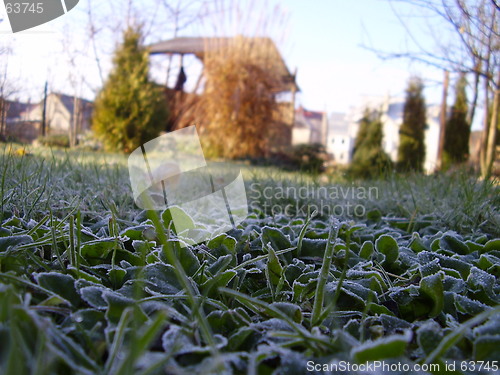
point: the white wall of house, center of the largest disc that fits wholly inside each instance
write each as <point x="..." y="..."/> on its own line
<point x="58" y="116"/>
<point x="309" y="130"/>
<point x="390" y="142"/>
<point x="432" y="138"/>
<point x="339" y="139"/>
<point x="391" y="117"/>
<point x="340" y="146"/>
<point x="300" y="135"/>
<point x="34" y="114"/>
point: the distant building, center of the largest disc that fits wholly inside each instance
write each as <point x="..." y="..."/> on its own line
<point x="310" y="127"/>
<point x="340" y="141"/>
<point x="60" y="113"/>
<point x="23" y="121"/>
<point x="344" y="128"/>
<point x="14" y="123"/>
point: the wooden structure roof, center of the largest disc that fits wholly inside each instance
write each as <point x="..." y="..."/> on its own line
<point x="198" y="46"/>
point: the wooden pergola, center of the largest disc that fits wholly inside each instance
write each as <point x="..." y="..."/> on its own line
<point x="199" y="46"/>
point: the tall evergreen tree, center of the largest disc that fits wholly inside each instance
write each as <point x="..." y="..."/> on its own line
<point x="456" y="141"/>
<point x="369" y="159"/>
<point x="130" y="109"/>
<point x="411" y="151"/>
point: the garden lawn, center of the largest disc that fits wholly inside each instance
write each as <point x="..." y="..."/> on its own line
<point x="90" y="284"/>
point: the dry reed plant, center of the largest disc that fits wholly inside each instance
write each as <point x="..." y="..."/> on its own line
<point x="238" y="103"/>
<point x="242" y="75"/>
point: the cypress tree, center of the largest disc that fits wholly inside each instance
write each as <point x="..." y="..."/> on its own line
<point x="411" y="151"/>
<point x="130" y="109"/>
<point x="369" y="159"/>
<point x="456" y="141"/>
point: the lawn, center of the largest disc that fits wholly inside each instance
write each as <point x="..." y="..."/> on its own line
<point x="326" y="275"/>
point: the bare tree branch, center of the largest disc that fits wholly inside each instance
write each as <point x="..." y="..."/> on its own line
<point x="496" y="4"/>
<point x="93" y="32"/>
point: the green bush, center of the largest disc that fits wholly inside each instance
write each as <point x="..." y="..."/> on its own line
<point x="369" y="159"/>
<point x="308" y="157"/>
<point x="54" y="140"/>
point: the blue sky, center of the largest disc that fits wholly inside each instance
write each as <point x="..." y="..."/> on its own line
<point x="322" y="40"/>
<point x="334" y="71"/>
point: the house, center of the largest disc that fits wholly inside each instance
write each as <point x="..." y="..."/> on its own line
<point x="392" y="118"/>
<point x="340" y="140"/>
<point x="14" y="123"/>
<point x="343" y="131"/>
<point x="23" y="121"/>
<point x="309" y="127"/>
<point x="60" y="113"/>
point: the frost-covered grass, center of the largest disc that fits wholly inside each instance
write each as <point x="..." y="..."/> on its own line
<point x="90" y="284"/>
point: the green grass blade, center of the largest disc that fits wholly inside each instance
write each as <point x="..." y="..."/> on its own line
<point x="323" y="277"/>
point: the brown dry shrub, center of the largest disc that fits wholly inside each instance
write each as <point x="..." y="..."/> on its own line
<point x="237" y="108"/>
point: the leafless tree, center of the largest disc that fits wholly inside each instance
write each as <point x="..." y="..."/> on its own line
<point x="93" y="31"/>
<point x="7" y="88"/>
<point x="162" y="19"/>
<point x="76" y="80"/>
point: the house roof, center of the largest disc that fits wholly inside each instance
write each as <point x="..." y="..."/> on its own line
<point x="198" y="46"/>
<point x="15" y="109"/>
<point x="311" y="115"/>
<point x="395" y="110"/>
<point x="69" y="102"/>
<point x="182" y="46"/>
<point x="308" y="119"/>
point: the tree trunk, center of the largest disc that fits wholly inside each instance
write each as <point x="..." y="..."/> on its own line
<point x="74" y="122"/>
<point x="484" y="138"/>
<point x="442" y="120"/>
<point x="492" y="133"/>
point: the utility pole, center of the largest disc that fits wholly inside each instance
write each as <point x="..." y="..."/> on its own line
<point x="44" y="111"/>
